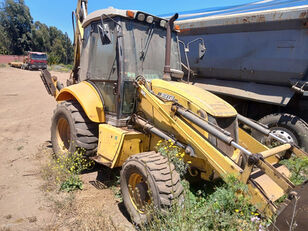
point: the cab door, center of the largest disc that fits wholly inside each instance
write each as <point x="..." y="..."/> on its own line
<point x="102" y="68"/>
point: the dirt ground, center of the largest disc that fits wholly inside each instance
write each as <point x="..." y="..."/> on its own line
<point x="25" y="118"/>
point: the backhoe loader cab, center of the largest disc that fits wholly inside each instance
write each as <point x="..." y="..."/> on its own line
<point x="118" y="46"/>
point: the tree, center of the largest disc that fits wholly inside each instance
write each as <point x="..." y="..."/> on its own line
<point x="40" y="37"/>
<point x="16" y="20"/>
<point x="18" y="34"/>
<point x="69" y="49"/>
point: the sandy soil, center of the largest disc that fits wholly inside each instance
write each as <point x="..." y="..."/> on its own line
<point x="25" y="114"/>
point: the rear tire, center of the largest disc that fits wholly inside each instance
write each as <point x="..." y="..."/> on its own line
<point x="288" y="127"/>
<point x="149" y="172"/>
<point x="72" y="130"/>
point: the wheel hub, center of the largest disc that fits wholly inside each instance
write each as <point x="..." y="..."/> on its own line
<point x="63" y="134"/>
<point x="284" y="134"/>
<point x="138" y="190"/>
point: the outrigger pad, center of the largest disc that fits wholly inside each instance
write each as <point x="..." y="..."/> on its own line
<point x="299" y="214"/>
<point x="48" y="82"/>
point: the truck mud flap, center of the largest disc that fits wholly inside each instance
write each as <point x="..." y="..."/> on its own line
<point x="48" y="82"/>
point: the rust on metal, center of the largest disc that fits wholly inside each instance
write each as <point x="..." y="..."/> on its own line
<point x="48" y="82"/>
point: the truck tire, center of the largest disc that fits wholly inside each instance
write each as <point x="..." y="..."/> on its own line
<point x="72" y="130"/>
<point x="146" y="179"/>
<point x="288" y="127"/>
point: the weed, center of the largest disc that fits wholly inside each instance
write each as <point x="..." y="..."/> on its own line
<point x="298" y="168"/>
<point x="60" y="68"/>
<point x="72" y="183"/>
<point x="63" y="172"/>
<point x="2" y="65"/>
<point x="20" y="148"/>
<point x="206" y="206"/>
<point x="225" y="209"/>
<point x="174" y="154"/>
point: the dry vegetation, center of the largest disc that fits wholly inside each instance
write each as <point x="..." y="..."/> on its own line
<point x="95" y="207"/>
<point x="206" y="207"/>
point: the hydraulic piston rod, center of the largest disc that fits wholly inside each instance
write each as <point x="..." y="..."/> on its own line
<point x="150" y="128"/>
<point x="209" y="128"/>
<point x="259" y="128"/>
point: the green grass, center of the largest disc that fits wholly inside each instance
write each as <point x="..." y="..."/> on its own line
<point x="209" y="206"/>
<point x="63" y="172"/>
<point x="298" y="168"/>
<point x="205" y="205"/>
<point x="60" y="67"/>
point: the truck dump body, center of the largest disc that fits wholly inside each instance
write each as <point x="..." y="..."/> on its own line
<point x="262" y="42"/>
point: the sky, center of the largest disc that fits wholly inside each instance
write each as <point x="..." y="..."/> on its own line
<point x="59" y="12"/>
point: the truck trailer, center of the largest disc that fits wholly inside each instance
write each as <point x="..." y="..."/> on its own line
<point x="256" y="58"/>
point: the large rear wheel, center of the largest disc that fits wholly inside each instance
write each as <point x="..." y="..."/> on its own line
<point x="147" y="181"/>
<point x="71" y="129"/>
<point x="288" y="127"/>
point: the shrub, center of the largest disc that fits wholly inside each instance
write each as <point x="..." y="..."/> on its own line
<point x="174" y="154"/>
<point x="298" y="168"/>
<point x="206" y="206"/>
<point x="63" y="171"/>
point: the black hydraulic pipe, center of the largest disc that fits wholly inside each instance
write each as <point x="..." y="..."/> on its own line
<point x="204" y="125"/>
<point x="167" y="70"/>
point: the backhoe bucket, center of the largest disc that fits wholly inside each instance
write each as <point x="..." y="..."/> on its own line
<point x="48" y="82"/>
<point x="295" y="215"/>
<point x="51" y="83"/>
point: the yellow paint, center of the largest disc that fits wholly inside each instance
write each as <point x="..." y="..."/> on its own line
<point x="192" y="97"/>
<point x="161" y="114"/>
<point x="116" y="144"/>
<point x="209" y="160"/>
<point x="254" y="146"/>
<point x="88" y="98"/>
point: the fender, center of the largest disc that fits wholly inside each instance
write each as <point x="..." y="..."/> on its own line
<point x="88" y="98"/>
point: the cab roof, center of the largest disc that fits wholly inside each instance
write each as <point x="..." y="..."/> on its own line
<point x="112" y="12"/>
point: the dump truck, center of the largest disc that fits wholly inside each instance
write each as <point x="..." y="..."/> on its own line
<point x="125" y="93"/>
<point x="256" y="59"/>
<point x="34" y="61"/>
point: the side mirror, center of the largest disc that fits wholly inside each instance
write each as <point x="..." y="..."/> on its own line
<point x="202" y="50"/>
<point x="177" y="74"/>
<point x="104" y="34"/>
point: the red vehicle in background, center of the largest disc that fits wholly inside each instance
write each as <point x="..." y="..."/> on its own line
<point x="35" y="60"/>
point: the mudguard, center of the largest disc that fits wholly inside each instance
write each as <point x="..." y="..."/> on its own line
<point x="88" y="98"/>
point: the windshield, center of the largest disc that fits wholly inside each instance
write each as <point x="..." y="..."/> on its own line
<point x="144" y="50"/>
<point x="38" y="56"/>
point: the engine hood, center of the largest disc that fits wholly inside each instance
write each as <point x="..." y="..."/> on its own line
<point x="194" y="98"/>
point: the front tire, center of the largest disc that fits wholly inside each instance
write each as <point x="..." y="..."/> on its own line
<point x="288" y="127"/>
<point x="72" y="130"/>
<point x="147" y="179"/>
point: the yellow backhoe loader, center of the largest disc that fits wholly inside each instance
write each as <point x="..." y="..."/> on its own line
<point x="126" y="93"/>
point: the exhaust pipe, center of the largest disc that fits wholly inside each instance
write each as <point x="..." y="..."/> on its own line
<point x="167" y="71"/>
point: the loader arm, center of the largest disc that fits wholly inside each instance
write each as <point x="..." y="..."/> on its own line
<point x="266" y="184"/>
